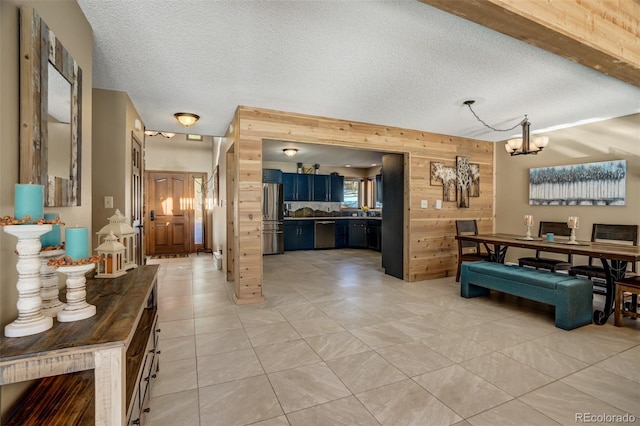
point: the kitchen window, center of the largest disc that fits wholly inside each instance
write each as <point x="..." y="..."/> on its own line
<point x="353" y="193"/>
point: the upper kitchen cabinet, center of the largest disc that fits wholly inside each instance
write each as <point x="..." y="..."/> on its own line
<point x="271" y="176"/>
<point x="337" y="188"/>
<point x="297" y="187"/>
<point x="321" y="188"/>
<point x="328" y="188"/>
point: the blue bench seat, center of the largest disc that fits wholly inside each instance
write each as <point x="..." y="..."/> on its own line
<point x="571" y="296"/>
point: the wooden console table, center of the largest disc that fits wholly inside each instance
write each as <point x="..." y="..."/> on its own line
<point x="118" y="344"/>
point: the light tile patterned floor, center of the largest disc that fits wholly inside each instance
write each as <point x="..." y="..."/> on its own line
<point x="337" y="342"/>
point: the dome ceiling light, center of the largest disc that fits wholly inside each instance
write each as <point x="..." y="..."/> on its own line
<point x="290" y="152"/>
<point x="186" y="118"/>
<point x="167" y="135"/>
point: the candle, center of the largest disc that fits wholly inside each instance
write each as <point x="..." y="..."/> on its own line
<point x="29" y="200"/>
<point x="51" y="238"/>
<point x="77" y="243"/>
<point x="528" y="220"/>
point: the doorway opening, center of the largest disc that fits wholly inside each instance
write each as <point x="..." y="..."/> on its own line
<point x="176" y="212"/>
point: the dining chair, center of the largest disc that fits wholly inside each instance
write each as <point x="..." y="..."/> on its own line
<point x="468" y="251"/>
<point x="606" y="233"/>
<point x="624" y="286"/>
<point x="552" y="264"/>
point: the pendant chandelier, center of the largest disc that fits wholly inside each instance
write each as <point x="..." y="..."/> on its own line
<point x="517" y="146"/>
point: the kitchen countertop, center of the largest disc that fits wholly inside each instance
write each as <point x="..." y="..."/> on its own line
<point x="334" y="218"/>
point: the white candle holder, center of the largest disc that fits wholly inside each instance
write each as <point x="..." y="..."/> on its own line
<point x="572" y="238"/>
<point x="528" y="221"/>
<point x="30" y="319"/>
<point x="572" y="223"/>
<point x="49" y="292"/>
<point x="77" y="307"/>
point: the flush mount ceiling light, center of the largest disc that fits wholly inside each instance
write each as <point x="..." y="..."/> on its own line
<point x="167" y="135"/>
<point x="518" y="146"/>
<point x="290" y="152"/>
<point x="186" y="118"/>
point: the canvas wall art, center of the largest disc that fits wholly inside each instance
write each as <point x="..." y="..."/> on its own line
<point x="445" y="176"/>
<point x="474" y="189"/>
<point x="590" y="184"/>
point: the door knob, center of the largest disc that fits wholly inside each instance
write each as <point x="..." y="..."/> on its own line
<point x="152" y="215"/>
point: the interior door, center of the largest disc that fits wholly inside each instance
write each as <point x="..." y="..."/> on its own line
<point x="168" y="213"/>
<point x="136" y="196"/>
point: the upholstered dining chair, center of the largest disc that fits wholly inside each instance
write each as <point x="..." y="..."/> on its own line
<point x="468" y="251"/>
<point x="552" y="264"/>
<point x="625" y="234"/>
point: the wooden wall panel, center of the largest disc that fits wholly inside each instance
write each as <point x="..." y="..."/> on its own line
<point x="429" y="236"/>
<point x="248" y="215"/>
<point x="603" y="34"/>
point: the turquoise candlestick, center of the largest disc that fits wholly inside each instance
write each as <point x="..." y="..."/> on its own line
<point x="51" y="238"/>
<point x="29" y="200"/>
<point x="77" y="243"/>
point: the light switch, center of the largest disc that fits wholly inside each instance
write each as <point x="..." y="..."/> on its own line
<point x="424" y="204"/>
<point x="108" y="202"/>
<point x="438" y="204"/>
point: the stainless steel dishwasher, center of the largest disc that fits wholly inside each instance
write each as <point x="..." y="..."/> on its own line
<point x="325" y="234"/>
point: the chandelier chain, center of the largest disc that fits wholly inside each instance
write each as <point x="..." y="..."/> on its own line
<point x="489" y="126"/>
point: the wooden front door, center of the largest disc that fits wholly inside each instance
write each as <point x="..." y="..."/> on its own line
<point x="168" y="214"/>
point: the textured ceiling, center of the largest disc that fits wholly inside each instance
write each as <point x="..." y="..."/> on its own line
<point x="396" y="63"/>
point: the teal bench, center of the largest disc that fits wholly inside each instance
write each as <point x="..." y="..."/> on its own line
<point x="572" y="297"/>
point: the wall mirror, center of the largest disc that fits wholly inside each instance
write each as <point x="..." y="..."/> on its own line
<point x="50" y="113"/>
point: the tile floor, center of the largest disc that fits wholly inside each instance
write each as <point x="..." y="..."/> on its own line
<point x="337" y="342"/>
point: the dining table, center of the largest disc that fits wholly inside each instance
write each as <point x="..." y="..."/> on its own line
<point x="614" y="257"/>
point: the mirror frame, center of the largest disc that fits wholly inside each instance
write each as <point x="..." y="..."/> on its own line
<point x="38" y="47"/>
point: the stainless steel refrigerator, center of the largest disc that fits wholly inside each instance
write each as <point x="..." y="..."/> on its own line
<point x="272" y="218"/>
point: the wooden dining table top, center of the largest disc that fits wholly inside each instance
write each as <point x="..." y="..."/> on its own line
<point x="603" y="250"/>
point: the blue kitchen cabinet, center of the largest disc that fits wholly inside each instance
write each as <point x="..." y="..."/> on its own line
<point x="328" y="188"/>
<point x="289" y="186"/>
<point x="271" y="176"/>
<point x="290" y="235"/>
<point x="358" y="233"/>
<point x="297" y="187"/>
<point x="342" y="233"/>
<point x="337" y="188"/>
<point x="374" y="234"/>
<point x="298" y="235"/>
<point x="307" y="234"/>
<point x="321" y="188"/>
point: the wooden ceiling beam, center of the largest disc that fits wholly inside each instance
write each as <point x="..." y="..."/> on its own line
<point x="600" y="34"/>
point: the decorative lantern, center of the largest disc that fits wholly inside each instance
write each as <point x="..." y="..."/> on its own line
<point x="124" y="233"/>
<point x="112" y="254"/>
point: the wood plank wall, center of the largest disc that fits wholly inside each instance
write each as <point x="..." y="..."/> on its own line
<point x="430" y="247"/>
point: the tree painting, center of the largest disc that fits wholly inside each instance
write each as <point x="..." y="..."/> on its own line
<point x="463" y="181"/>
<point x="435" y="177"/>
<point x="590" y="184"/>
<point x="474" y="170"/>
<point x="446" y="175"/>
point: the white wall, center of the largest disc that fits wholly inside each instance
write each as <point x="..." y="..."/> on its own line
<point x="615" y="139"/>
<point x="219" y="210"/>
<point x="178" y="154"/>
